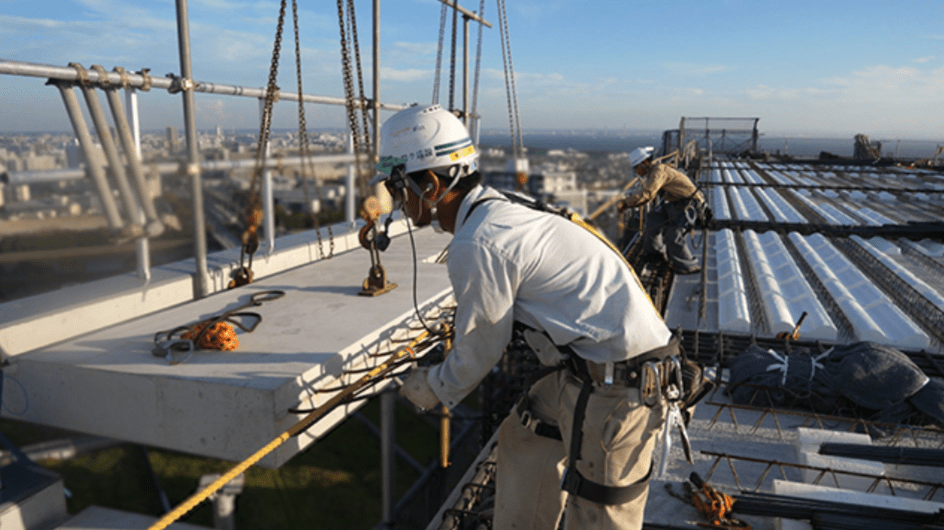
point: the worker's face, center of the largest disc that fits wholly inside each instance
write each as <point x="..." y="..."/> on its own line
<point x="414" y="206"/>
<point x="641" y="168"/>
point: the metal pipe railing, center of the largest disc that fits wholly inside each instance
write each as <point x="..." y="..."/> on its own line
<point x="144" y="81"/>
<point x="168" y="168"/>
<point x="92" y="161"/>
<point x="115" y="167"/>
<point x="154" y="227"/>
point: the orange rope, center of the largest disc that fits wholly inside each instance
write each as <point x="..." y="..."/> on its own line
<point x="221" y="336"/>
<point x="716" y="507"/>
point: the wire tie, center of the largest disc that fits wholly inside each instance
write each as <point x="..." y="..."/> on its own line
<point x="103" y="80"/>
<point x="82" y="73"/>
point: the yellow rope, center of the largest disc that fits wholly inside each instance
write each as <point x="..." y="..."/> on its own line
<point x="612" y="200"/>
<point x="314" y="416"/>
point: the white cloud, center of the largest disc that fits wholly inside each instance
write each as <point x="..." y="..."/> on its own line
<point x="882" y="82"/>
<point x="697" y="69"/>
<point x="409" y="75"/>
<point x="923" y="59"/>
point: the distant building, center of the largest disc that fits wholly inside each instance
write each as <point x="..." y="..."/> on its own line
<point x="21" y="193"/>
<point x="172" y="139"/>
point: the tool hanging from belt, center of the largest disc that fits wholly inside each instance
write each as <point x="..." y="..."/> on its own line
<point x="642" y="370"/>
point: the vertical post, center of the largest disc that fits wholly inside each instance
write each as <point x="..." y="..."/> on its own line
<point x="754" y="136"/>
<point x="201" y="278"/>
<point x="268" y="213"/>
<point x="387" y="461"/>
<point x="143" y="246"/>
<point x="224" y="500"/>
<point x="376" y="105"/>
<point x="131" y="100"/>
<point x="380" y="191"/>
<point x="465" y="70"/>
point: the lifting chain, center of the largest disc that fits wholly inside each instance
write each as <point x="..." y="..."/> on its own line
<point x="349" y="95"/>
<point x="452" y="60"/>
<point x="303" y="146"/>
<point x="478" y="65"/>
<point x="250" y="238"/>
<point x="360" y="74"/>
<point x="511" y="92"/>
<point x="439" y="50"/>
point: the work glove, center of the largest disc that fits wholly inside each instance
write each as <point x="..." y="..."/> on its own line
<point x="543" y="347"/>
<point x="416" y="388"/>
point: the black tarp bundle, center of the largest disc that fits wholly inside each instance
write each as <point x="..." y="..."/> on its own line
<point x="880" y="381"/>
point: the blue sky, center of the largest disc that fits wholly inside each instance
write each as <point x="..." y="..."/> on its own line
<point x="815" y="68"/>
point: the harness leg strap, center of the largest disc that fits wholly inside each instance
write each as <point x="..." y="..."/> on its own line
<point x="575" y="484"/>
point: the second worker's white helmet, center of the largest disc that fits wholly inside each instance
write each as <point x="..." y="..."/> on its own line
<point x="639" y="155"/>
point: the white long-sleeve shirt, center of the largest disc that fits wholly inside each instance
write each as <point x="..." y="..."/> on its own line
<point x="508" y="262"/>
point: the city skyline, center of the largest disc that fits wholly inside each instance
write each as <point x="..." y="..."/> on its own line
<point x="829" y="69"/>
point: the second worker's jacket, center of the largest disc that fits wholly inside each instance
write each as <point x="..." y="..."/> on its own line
<point x="672" y="183"/>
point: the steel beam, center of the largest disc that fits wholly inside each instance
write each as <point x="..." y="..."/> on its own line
<point x="467" y="13"/>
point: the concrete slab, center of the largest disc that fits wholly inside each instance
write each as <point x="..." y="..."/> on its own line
<point x="807" y="453"/>
<point x="227" y="405"/>
<point x="33" y="498"/>
<point x="38" y="321"/>
<point x="98" y="518"/>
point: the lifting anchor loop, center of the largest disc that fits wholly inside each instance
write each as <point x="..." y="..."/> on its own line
<point x="372" y="239"/>
<point x="250" y="239"/>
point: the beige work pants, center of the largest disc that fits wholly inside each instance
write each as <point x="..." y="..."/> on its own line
<point x="618" y="439"/>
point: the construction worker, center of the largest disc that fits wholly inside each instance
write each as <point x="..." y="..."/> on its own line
<point x="583" y="312"/>
<point x="668" y="223"/>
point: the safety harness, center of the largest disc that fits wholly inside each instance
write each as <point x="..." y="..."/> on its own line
<point x="644" y="371"/>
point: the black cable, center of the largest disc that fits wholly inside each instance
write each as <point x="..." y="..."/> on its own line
<point x="892" y="455"/>
<point x="416" y="307"/>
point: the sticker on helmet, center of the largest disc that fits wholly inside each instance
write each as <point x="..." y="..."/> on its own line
<point x="387" y="163"/>
<point x="461" y="153"/>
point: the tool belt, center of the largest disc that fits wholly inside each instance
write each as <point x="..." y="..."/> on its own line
<point x="623" y="373"/>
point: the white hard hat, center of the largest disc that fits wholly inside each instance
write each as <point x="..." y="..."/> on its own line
<point x="426" y="137"/>
<point x="639" y="155"/>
